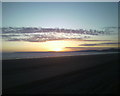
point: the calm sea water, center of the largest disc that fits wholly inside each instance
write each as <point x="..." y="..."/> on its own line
<point x="6" y="56"/>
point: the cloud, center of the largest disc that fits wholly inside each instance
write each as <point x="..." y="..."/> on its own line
<point x="97" y="40"/>
<point x="13" y="39"/>
<point x="86" y="48"/>
<point x="30" y="34"/>
<point x="36" y="35"/>
<point x="111" y="30"/>
<point x="74" y="48"/>
<point x="99" y="44"/>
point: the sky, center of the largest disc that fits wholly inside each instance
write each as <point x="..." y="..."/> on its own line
<point x="63" y="15"/>
<point x="68" y="15"/>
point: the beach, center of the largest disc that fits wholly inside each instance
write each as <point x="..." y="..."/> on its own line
<point x="86" y="74"/>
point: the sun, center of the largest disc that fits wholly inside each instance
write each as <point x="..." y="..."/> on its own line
<point x="57" y="49"/>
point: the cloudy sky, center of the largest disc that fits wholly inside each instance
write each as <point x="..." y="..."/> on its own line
<point x="68" y="15"/>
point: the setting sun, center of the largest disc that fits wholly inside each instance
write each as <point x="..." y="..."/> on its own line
<point x="57" y="49"/>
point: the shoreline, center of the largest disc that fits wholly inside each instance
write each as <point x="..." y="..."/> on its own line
<point x="64" y="56"/>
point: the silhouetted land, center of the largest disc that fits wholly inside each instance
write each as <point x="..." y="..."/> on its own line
<point x="92" y="74"/>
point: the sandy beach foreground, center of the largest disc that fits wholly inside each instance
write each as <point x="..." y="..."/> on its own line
<point x="92" y="74"/>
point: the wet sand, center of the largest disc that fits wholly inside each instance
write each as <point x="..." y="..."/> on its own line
<point x="89" y="74"/>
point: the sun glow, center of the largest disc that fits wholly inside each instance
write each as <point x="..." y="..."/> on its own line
<point x="56" y="46"/>
<point x="59" y="45"/>
<point x="57" y="49"/>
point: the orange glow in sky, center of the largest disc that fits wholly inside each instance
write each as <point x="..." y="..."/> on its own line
<point x="56" y="45"/>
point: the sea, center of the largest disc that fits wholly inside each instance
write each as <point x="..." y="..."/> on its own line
<point x="28" y="55"/>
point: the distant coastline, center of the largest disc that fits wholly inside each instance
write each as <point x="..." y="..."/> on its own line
<point x="30" y="55"/>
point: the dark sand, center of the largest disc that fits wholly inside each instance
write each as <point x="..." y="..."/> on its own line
<point x="92" y="74"/>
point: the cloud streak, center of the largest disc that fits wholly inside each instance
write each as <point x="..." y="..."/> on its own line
<point x="31" y="34"/>
<point x="85" y="48"/>
<point x="99" y="44"/>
